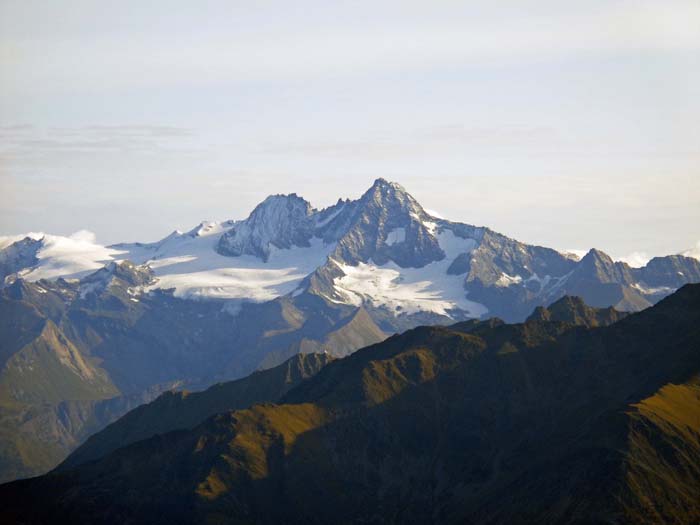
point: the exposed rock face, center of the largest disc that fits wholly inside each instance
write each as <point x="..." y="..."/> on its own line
<point x="389" y="225"/>
<point x="280" y="221"/>
<point x="363" y="229"/>
<point x="124" y="276"/>
<point x="672" y="271"/>
<point x="18" y="256"/>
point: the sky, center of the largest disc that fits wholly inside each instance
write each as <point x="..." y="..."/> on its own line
<point x="565" y="124"/>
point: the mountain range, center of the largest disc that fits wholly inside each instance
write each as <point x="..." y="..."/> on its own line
<point x="88" y="332"/>
<point x="576" y="415"/>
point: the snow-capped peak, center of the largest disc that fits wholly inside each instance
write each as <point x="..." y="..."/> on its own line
<point x="280" y="221"/>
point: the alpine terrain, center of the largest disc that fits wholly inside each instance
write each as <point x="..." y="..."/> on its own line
<point x="578" y="415"/>
<point x="88" y="332"/>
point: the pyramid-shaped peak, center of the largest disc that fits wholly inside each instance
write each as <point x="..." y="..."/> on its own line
<point x="382" y="183"/>
<point x="390" y="194"/>
<point x="384" y="187"/>
<point x="595" y="253"/>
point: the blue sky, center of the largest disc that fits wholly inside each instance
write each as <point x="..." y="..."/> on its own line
<point x="567" y="124"/>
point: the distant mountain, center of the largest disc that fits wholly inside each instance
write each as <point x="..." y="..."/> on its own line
<point x="76" y="355"/>
<point x="382" y="251"/>
<point x="562" y="419"/>
<point x="184" y="410"/>
<point x="102" y="328"/>
<point x="575" y="311"/>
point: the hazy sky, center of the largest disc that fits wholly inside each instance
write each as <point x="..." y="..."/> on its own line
<point x="567" y="124"/>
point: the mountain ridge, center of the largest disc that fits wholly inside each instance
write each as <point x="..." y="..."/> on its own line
<point x="433" y="426"/>
<point x="386" y="232"/>
<point x="177" y="313"/>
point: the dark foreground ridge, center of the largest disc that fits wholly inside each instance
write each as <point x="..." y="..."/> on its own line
<point x="562" y="419"/>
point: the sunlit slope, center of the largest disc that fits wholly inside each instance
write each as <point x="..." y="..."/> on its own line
<point x="541" y="422"/>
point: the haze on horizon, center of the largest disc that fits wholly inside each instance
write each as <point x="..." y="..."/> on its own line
<point x="568" y="125"/>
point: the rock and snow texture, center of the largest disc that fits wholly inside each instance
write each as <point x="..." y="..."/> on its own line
<point x="134" y="279"/>
<point x="382" y="250"/>
<point x="395" y="236"/>
<point x="56" y="256"/>
<point x="412" y="290"/>
<point x="279" y="222"/>
<point x="190" y="263"/>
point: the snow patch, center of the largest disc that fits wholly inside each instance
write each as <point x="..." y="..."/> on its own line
<point x="191" y="265"/>
<point x="650" y="290"/>
<point x="73" y="256"/>
<point x="322" y="223"/>
<point x="506" y="280"/>
<point x="411" y="290"/>
<point x="430" y="226"/>
<point x="395" y="236"/>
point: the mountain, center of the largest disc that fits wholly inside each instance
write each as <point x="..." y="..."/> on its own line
<point x="382" y="251"/>
<point x="547" y="421"/>
<point x="100" y="329"/>
<point x="75" y="355"/>
<point x="174" y="410"/>
<point x="18" y="256"/>
<point x="571" y="309"/>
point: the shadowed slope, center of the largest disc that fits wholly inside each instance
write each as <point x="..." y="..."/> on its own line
<point x="184" y="410"/>
<point x="542" y="422"/>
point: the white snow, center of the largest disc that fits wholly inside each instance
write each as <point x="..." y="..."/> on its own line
<point x="186" y="262"/>
<point x="396" y="236"/>
<point x="430" y="226"/>
<point x="191" y="265"/>
<point x="411" y="290"/>
<point x="506" y="280"/>
<point x="543" y="281"/>
<point x="69" y="257"/>
<point x="650" y="290"/>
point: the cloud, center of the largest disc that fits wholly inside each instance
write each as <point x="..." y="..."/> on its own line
<point x="693" y="252"/>
<point x="635" y="259"/>
<point x="434" y="140"/>
<point x="26" y="140"/>
<point x="83" y="236"/>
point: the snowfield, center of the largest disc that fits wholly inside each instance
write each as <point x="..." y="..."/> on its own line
<point x="68" y="257"/>
<point x="411" y="290"/>
<point x="186" y="262"/>
<point x="189" y="263"/>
